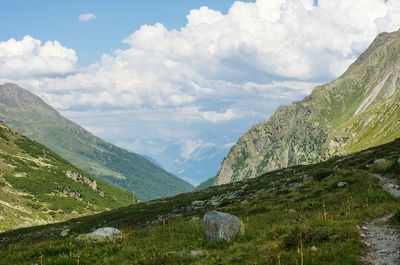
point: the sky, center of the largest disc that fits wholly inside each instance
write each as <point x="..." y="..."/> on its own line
<point x="148" y="75"/>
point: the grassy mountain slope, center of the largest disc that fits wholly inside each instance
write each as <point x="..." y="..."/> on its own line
<point x="305" y="131"/>
<point x="285" y="213"/>
<point x="31" y="116"/>
<point x="379" y="124"/>
<point x="38" y="187"/>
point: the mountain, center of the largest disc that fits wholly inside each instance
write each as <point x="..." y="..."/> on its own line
<point x="307" y="214"/>
<point x="38" y="187"/>
<point x="349" y="114"/>
<point x="194" y="160"/>
<point x="31" y="116"/>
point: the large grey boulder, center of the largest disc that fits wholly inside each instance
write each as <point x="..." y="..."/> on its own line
<point x="221" y="226"/>
<point x="101" y="233"/>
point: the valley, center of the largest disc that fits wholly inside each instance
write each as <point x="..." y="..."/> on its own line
<point x="308" y="213"/>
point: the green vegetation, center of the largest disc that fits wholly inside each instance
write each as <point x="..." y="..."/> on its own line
<point x="35" y="188"/>
<point x="286" y="213"/>
<point x="29" y="115"/>
<point x="379" y="124"/>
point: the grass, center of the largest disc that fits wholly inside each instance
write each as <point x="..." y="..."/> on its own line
<point x="282" y="224"/>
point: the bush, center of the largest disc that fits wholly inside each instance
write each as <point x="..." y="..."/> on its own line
<point x="322" y="173"/>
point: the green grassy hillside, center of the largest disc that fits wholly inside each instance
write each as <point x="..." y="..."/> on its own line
<point x="297" y="215"/>
<point x="38" y="187"/>
<point x="379" y="124"/>
<point x="31" y="116"/>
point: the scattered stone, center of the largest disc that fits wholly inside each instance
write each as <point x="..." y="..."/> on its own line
<point x="191" y="253"/>
<point x="291" y="211"/>
<point x="194" y="219"/>
<point x="380" y="161"/>
<point x="292" y="186"/>
<point x="198" y="203"/>
<point x="398" y="161"/>
<point x="342" y="184"/>
<point x="221" y="226"/>
<point x="314" y="249"/>
<point x="101" y="233"/>
<point x="366" y="243"/>
<point x="65" y="232"/>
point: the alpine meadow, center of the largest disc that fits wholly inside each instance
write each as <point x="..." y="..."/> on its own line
<point x="200" y="132"/>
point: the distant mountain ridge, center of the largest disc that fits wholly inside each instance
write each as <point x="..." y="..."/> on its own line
<point x="202" y="163"/>
<point x="39" y="187"/>
<point x="344" y="116"/>
<point x="31" y="116"/>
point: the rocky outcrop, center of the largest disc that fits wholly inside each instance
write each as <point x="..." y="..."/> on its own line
<point x="81" y="179"/>
<point x="317" y="128"/>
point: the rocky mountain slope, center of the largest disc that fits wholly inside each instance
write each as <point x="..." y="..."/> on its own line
<point x="39" y="187"/>
<point x="307" y="214"/>
<point x="31" y="116"/>
<point x="334" y="119"/>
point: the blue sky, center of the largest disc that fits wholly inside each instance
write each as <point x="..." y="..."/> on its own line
<point x="183" y="78"/>
<point x="58" y="20"/>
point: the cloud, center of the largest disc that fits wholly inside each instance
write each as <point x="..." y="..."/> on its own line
<point x="30" y="58"/>
<point x="87" y="17"/>
<point x="216" y="55"/>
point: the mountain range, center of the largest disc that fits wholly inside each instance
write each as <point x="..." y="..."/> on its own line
<point x="29" y="115"/>
<point x="194" y="160"/>
<point x="358" y="110"/>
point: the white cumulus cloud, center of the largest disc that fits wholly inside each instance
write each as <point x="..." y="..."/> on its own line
<point x="30" y="58"/>
<point x="87" y="17"/>
<point x="215" y="54"/>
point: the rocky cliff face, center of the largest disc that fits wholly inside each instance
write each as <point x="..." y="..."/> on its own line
<point x="314" y="129"/>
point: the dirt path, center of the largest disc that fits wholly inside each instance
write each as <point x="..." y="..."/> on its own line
<point x="383" y="240"/>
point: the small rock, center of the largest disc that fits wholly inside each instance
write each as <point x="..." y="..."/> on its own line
<point x="380" y="161"/>
<point x="398" y="161"/>
<point x="191" y="253"/>
<point x="101" y="233"/>
<point x="65" y="232"/>
<point x="198" y="203"/>
<point x="314" y="249"/>
<point x="342" y="184"/>
<point x="194" y="219"/>
<point x="197" y="253"/>
<point x="292" y="186"/>
<point x="291" y="211"/>
<point x="221" y="226"/>
<point x="366" y="243"/>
